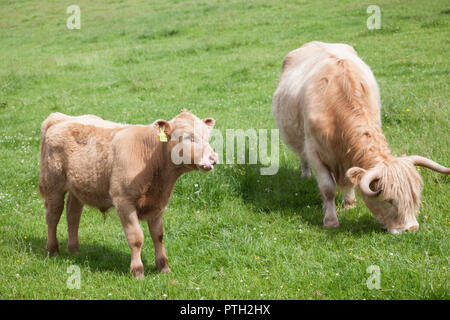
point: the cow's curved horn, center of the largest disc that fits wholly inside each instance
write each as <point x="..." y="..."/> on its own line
<point x="427" y="163"/>
<point x="367" y="179"/>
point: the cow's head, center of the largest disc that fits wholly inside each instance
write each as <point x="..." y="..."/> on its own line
<point x="391" y="190"/>
<point x="188" y="141"/>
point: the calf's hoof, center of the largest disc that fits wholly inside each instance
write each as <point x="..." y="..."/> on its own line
<point x="162" y="264"/>
<point x="138" y="273"/>
<point x="165" y="270"/>
<point x="52" y="250"/>
<point x="331" y="223"/>
<point x="73" y="249"/>
<point x="137" y="270"/>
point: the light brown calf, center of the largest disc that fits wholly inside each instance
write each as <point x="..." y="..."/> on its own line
<point x="130" y="167"/>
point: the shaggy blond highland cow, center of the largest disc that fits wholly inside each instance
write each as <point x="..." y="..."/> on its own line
<point x="327" y="107"/>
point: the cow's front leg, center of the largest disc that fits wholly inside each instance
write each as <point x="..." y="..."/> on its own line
<point x="349" y="198"/>
<point x="135" y="236"/>
<point x="155" y="226"/>
<point x="327" y="188"/>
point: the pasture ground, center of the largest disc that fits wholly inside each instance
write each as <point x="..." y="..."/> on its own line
<point x="231" y="234"/>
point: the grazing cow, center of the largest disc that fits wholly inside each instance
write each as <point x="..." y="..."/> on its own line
<point x="327" y="107"/>
<point x="129" y="167"/>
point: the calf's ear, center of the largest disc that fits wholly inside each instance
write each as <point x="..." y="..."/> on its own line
<point x="209" y="122"/>
<point x="354" y="175"/>
<point x="163" y="125"/>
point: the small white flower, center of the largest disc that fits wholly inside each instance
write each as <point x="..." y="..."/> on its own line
<point x="164" y="295"/>
<point x="196" y="185"/>
<point x="275" y="239"/>
<point x="17" y="275"/>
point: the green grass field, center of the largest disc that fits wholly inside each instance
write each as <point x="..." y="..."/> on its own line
<point x="231" y="234"/>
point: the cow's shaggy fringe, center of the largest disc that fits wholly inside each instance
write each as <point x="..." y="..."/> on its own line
<point x="400" y="180"/>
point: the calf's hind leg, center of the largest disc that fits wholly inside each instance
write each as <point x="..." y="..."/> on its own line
<point x="54" y="206"/>
<point x="74" y="208"/>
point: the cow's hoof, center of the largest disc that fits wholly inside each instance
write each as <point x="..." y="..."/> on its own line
<point x="331" y="223"/>
<point x="306" y="175"/>
<point x="350" y="205"/>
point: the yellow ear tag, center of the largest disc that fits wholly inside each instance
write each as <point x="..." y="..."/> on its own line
<point x="162" y="136"/>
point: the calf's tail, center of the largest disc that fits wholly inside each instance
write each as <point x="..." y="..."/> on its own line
<point x="48" y="122"/>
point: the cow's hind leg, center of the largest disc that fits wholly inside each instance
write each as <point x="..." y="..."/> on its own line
<point x="155" y="226"/>
<point x="54" y="206"/>
<point x="133" y="232"/>
<point x="74" y="208"/>
<point x="327" y="188"/>
<point x="306" y="170"/>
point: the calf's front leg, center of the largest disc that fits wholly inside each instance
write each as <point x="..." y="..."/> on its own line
<point x="135" y="237"/>
<point x="155" y="226"/>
